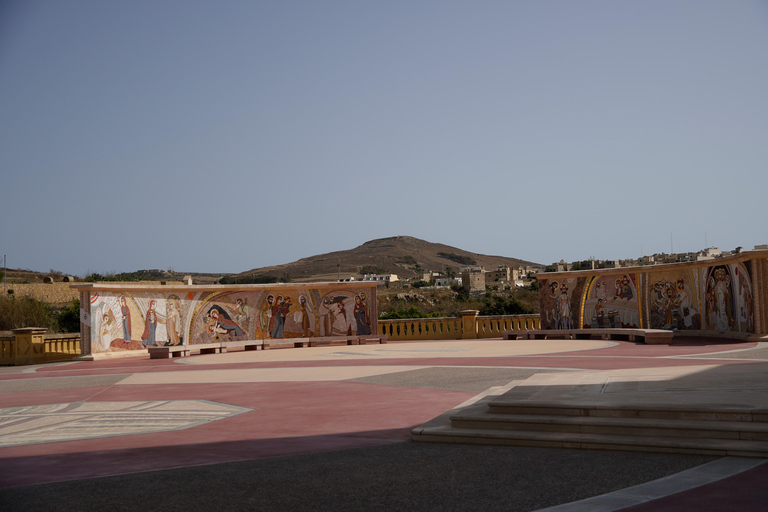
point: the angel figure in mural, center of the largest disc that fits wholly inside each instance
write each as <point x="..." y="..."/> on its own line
<point x="125" y="313"/>
<point x="362" y="318"/>
<point x="173" y="320"/>
<point x="302" y="317"/>
<point x="219" y="322"/>
<point x="104" y="328"/>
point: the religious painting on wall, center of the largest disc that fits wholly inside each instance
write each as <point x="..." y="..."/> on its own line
<point x="672" y="300"/>
<point x="728" y="298"/>
<point x="612" y="302"/>
<point x="132" y="321"/>
<point x="139" y="320"/>
<point x="559" y="302"/>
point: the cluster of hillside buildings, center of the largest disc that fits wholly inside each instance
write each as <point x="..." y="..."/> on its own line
<point x="474" y="279"/>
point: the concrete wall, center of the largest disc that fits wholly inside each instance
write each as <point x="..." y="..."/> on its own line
<point x="122" y="317"/>
<point x="726" y="295"/>
<point x="52" y="293"/>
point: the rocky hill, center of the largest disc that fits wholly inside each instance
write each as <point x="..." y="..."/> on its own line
<point x="405" y="256"/>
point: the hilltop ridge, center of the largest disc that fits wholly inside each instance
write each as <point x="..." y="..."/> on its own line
<point x="403" y="255"/>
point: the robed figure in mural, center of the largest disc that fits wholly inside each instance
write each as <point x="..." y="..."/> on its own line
<point x="362" y="319"/>
<point x="173" y="320"/>
<point x="302" y="317"/>
<point x="280" y="311"/>
<point x="148" y="337"/>
<point x="719" y="300"/>
<point x="125" y="313"/>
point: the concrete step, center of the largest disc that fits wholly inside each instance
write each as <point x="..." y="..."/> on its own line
<point x="632" y="426"/>
<point x="713" y="412"/>
<point x="701" y="446"/>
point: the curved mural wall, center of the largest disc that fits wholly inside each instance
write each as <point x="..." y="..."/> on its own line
<point x="135" y="317"/>
<point x="722" y="295"/>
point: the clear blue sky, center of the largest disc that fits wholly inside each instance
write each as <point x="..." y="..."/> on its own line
<point x="222" y="136"/>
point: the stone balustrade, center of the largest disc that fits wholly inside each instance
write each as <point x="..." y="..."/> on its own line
<point x="468" y="326"/>
<point x="31" y="345"/>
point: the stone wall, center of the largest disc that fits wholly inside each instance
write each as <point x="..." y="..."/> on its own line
<point x="52" y="293"/>
<point x="724" y="296"/>
<point x="118" y="317"/>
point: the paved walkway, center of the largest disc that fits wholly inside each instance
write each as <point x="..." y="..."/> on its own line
<point x="329" y="428"/>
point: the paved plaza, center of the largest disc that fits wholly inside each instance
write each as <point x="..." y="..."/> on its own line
<point x="329" y="428"/>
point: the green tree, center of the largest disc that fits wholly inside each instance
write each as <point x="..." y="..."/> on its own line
<point x="498" y="305"/>
<point x="69" y="318"/>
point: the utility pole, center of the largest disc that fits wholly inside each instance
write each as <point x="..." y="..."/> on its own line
<point x="5" y="274"/>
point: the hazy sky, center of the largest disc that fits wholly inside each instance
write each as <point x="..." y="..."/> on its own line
<point x="222" y="136"/>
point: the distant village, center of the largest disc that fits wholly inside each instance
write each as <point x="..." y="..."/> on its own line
<point x="476" y="280"/>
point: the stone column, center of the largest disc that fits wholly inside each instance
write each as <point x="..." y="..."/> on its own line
<point x="30" y="345"/>
<point x="469" y="324"/>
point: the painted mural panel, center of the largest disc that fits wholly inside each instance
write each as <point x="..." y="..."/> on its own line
<point x="728" y="298"/>
<point x="672" y="299"/>
<point x="138" y="320"/>
<point x="559" y="301"/>
<point x="612" y="301"/>
<point x="131" y="321"/>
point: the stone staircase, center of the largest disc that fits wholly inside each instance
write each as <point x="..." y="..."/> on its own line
<point x="695" y="422"/>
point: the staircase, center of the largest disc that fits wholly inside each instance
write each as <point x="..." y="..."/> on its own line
<point x="730" y="422"/>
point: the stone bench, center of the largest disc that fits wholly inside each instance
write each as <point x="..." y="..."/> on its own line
<point x="648" y="336"/>
<point x="167" y="352"/>
<point x="246" y="345"/>
<point x="205" y="348"/>
<point x="184" y="350"/>
<point x="349" y="340"/>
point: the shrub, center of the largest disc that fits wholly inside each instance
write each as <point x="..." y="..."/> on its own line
<point x="372" y="269"/>
<point x="254" y="279"/>
<point x="69" y="318"/>
<point x="411" y="312"/>
<point x="498" y="305"/>
<point x="463" y="260"/>
<point x="16" y="313"/>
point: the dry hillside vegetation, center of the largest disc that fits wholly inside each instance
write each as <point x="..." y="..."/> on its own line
<point x="405" y="256"/>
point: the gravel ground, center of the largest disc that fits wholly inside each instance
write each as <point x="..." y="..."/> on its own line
<point x="400" y="476"/>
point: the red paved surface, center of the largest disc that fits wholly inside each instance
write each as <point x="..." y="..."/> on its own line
<point x="288" y="418"/>
<point x="296" y="417"/>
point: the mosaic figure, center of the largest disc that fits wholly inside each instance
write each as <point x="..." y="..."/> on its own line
<point x="173" y="320"/>
<point x="125" y="313"/>
<point x="148" y="337"/>
<point x="361" y="316"/>
<point x="220" y="323"/>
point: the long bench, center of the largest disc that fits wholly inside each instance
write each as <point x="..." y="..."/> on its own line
<point x="349" y="340"/>
<point x="203" y="348"/>
<point x="649" y="336"/>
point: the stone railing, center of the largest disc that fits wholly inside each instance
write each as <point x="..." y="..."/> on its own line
<point x="468" y="326"/>
<point x="31" y="345"/>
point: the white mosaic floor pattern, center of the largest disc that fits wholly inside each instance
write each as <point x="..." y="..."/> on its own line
<point x="87" y="420"/>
